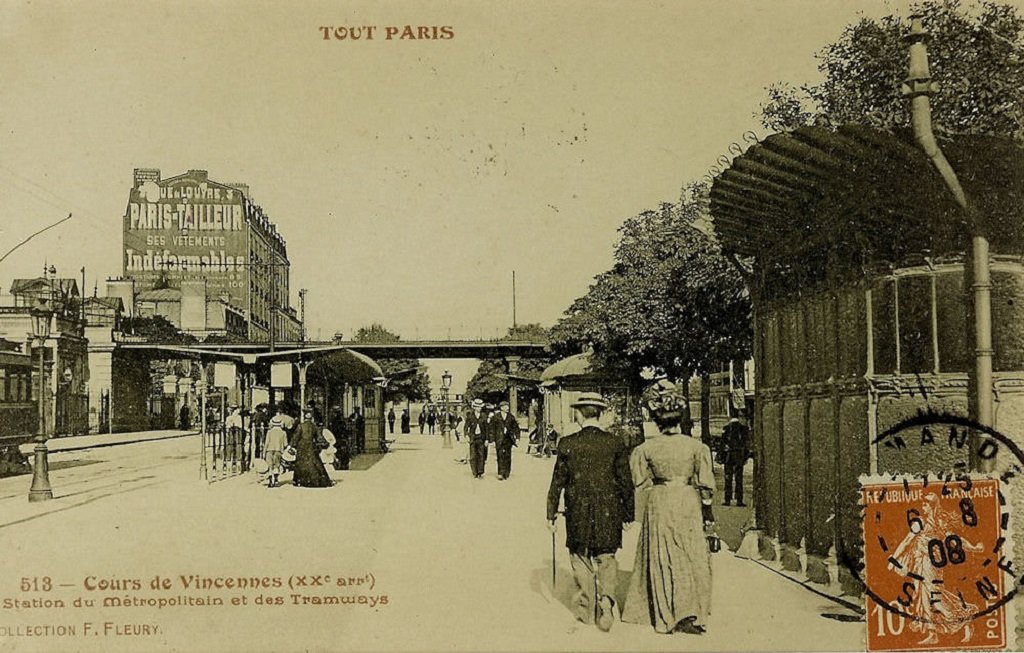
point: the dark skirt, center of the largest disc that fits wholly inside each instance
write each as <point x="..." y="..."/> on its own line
<point x="309" y="468"/>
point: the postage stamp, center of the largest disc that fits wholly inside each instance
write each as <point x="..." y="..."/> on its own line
<point x="935" y="565"/>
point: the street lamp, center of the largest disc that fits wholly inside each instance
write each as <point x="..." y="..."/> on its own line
<point x="41" y="490"/>
<point x="446" y="384"/>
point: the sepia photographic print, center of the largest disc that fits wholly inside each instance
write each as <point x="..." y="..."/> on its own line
<point x="511" y="326"/>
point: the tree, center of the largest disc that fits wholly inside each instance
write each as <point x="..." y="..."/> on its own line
<point x="672" y="300"/>
<point x="490" y="382"/>
<point x="409" y="386"/>
<point x="156" y="329"/>
<point x="976" y="55"/>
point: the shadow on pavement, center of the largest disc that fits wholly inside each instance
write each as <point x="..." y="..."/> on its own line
<point x="565" y="585"/>
<point x="364" y="461"/>
<point x="68" y="464"/>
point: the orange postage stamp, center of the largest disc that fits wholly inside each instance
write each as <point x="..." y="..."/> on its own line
<point x="934" y="564"/>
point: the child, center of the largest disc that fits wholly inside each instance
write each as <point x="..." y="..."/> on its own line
<point x="551" y="443"/>
<point x="277" y="440"/>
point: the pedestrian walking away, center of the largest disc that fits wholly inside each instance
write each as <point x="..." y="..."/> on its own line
<point x="476" y="433"/>
<point x="308" y="443"/>
<point x="506" y="432"/>
<point x="735" y="452"/>
<point x="391" y="421"/>
<point x="273" y="446"/>
<point x="550" y="441"/>
<point x="260" y="422"/>
<point x="342" y="434"/>
<point x="422" y="420"/>
<point x="405" y="421"/>
<point x="235" y="435"/>
<point x="671" y="584"/>
<point x="592" y="472"/>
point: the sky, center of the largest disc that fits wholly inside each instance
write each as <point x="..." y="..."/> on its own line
<point x="408" y="177"/>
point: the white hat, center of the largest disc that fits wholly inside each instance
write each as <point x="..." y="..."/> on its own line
<point x="590" y="399"/>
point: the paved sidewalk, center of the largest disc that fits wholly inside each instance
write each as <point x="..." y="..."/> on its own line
<point x="465" y="564"/>
<point x="79" y="442"/>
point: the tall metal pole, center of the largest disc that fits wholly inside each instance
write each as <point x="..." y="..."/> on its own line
<point x="513" y="298"/>
<point x="41" y="490"/>
<point x="202" y="436"/>
<point x="273" y="304"/>
<point x="82" y="295"/>
<point x="302" y="316"/>
<point x="919" y="87"/>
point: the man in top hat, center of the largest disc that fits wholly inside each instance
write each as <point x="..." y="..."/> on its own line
<point x="477" y="432"/>
<point x="592" y="469"/>
<point x="506" y="431"/>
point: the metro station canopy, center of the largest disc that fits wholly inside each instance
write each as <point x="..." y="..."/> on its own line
<point x="816" y="202"/>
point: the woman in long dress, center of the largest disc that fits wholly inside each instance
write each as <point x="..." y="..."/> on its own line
<point x="671" y="584"/>
<point x="309" y="468"/>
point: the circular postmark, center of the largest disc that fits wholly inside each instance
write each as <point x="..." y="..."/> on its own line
<point x="936" y="565"/>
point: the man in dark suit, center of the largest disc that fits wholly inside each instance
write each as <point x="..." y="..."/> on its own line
<point x="477" y="433"/>
<point x="735" y="451"/>
<point x="506" y="430"/>
<point x="592" y="469"/>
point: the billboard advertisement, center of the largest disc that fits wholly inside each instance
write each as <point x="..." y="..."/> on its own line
<point x="186" y="228"/>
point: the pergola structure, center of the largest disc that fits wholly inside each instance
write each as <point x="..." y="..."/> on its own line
<point x="858" y="260"/>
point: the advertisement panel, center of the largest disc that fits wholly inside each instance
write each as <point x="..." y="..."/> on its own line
<point x="281" y="375"/>
<point x="224" y="374"/>
<point x="187" y="229"/>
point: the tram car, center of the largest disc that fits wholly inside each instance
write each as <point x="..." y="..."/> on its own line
<point x="19" y="413"/>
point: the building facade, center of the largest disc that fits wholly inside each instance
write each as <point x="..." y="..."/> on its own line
<point x="202" y="254"/>
<point x="65" y="350"/>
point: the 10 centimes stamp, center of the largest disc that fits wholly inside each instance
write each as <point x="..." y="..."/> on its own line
<point x="937" y="566"/>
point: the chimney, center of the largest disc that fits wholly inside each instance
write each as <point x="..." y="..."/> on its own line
<point x="241" y="188"/>
<point x="125" y="289"/>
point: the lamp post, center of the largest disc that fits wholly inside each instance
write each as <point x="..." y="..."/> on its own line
<point x="446" y="384"/>
<point x="41" y="490"/>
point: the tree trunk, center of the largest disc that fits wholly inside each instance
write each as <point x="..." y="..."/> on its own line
<point x="687" y="413"/>
<point x="705" y="408"/>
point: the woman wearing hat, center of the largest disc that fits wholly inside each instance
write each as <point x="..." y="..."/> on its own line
<point x="308" y="443"/>
<point x="671" y="584"/>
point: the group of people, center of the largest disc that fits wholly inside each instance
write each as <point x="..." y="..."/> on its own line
<point x="302" y="443"/>
<point x="430" y="419"/>
<point x="485" y="426"/>
<point x="599" y="478"/>
<point x="406" y="421"/>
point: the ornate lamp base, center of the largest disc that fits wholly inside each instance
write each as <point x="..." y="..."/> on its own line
<point x="41" y="490"/>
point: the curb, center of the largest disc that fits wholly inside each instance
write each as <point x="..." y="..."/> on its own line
<point x="101" y="445"/>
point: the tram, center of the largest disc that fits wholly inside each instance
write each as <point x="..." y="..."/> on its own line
<point x="19" y="413"/>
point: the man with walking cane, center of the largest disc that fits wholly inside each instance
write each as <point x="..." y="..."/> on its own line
<point x="592" y="469"/>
